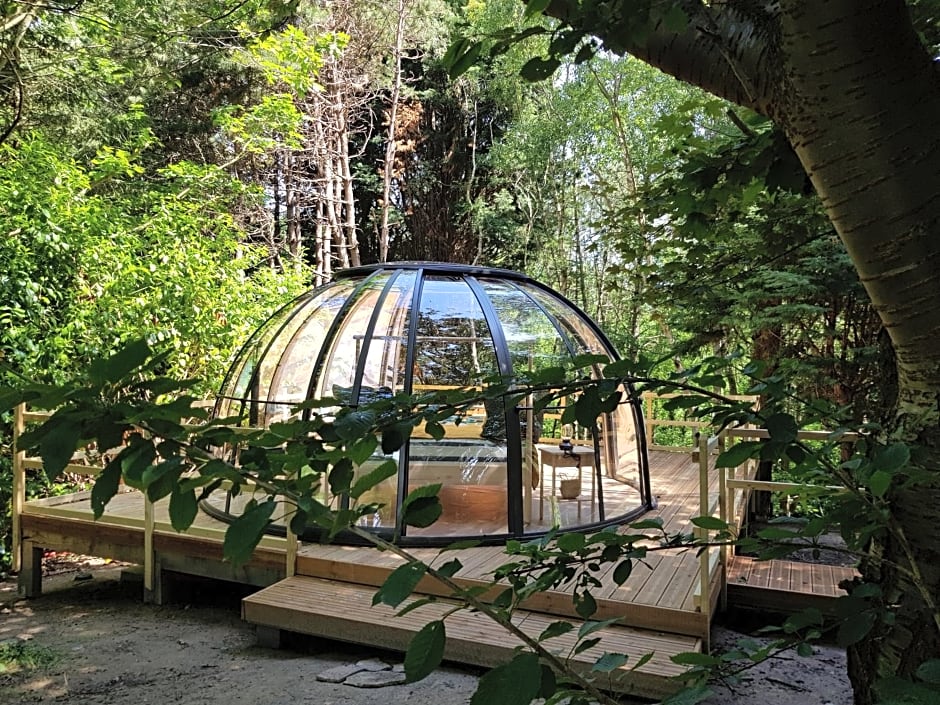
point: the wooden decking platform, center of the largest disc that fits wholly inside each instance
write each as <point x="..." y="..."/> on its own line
<point x="330" y="595"/>
<point x="785" y="586"/>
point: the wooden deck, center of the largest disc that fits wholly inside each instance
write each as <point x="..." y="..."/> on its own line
<point x="660" y="593"/>
<point x="330" y="594"/>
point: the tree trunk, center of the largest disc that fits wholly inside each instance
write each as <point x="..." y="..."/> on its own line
<point x="858" y="97"/>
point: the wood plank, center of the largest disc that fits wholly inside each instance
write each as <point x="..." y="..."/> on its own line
<point x="308" y="605"/>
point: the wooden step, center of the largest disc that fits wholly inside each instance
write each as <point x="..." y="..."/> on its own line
<point x="785" y="586"/>
<point x="343" y="611"/>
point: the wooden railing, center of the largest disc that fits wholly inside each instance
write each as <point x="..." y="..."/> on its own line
<point x="732" y="487"/>
<point x="691" y="425"/>
<point x="91" y="469"/>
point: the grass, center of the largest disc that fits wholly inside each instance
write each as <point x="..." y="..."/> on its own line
<point x="18" y="655"/>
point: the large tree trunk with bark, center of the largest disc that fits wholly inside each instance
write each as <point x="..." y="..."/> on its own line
<point x="858" y="97"/>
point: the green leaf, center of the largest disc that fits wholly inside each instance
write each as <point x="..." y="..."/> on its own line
<point x="61" y="435"/>
<point x="929" y="671"/>
<point x="892" y="458"/>
<point x="422" y="507"/>
<point x="674" y="19"/>
<point x="782" y="427"/>
<point x="901" y="691"/>
<point x="689" y="696"/>
<point x="535" y="7"/>
<point x="383" y="471"/>
<point x="623" y="571"/>
<point x="685" y="401"/>
<point x="879" y="483"/>
<point x="400" y="583"/>
<point x="426" y="651"/>
<point x="805" y="650"/>
<point x="513" y="683"/>
<point x="435" y="430"/>
<point x="585" y="605"/>
<point x="245" y="532"/>
<point x="693" y="658"/>
<point x="160" y="480"/>
<point x="450" y="568"/>
<point x="855" y="628"/>
<point x="595" y="626"/>
<point x="457" y="48"/>
<point x="738" y="454"/>
<point x="462" y="62"/>
<point x="361" y="450"/>
<point x="341" y="475"/>
<point x="394" y="437"/>
<point x="643" y="524"/>
<point x="183" y="508"/>
<point x="644" y="659"/>
<point x="114" y="368"/>
<point x="549" y="684"/>
<point x="586" y="644"/>
<point x="105" y="487"/>
<point x="354" y="424"/>
<point x="555" y="629"/>
<point x="538" y="69"/>
<point x="609" y="662"/>
<point x="570" y="543"/>
<point x="710" y="523"/>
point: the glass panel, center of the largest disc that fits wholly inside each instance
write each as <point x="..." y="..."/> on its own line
<point x="384" y="374"/>
<point x="580" y="335"/>
<point x="339" y="370"/>
<point x="295" y="350"/>
<point x="384" y="369"/>
<point x="384" y="494"/>
<point x="473" y="494"/>
<point x="454" y="348"/>
<point x="532" y="339"/>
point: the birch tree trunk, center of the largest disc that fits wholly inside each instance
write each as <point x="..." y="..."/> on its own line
<point x="858" y="97"/>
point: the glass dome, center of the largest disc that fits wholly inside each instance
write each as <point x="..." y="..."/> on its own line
<point x="504" y="470"/>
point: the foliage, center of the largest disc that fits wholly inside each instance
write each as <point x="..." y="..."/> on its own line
<point x="23" y="655"/>
<point x="290" y="462"/>
<point x="94" y="256"/>
<point x="97" y="256"/>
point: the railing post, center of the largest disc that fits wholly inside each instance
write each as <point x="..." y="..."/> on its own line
<point x="149" y="556"/>
<point x="704" y="577"/>
<point x="725" y="513"/>
<point x="649" y="419"/>
<point x="19" y="486"/>
<point x="290" y="549"/>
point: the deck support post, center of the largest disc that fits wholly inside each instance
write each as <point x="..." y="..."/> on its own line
<point x="268" y="637"/>
<point x="30" y="577"/>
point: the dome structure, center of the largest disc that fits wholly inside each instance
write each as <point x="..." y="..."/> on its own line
<point x="505" y="471"/>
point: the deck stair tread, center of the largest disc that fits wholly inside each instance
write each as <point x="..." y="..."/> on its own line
<point x="344" y="611"/>
<point x="789" y="576"/>
<point x="785" y="586"/>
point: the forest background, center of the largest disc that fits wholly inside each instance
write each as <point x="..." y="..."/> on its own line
<point x="178" y="170"/>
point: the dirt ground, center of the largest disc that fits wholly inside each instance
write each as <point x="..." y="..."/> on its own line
<point x="107" y="646"/>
